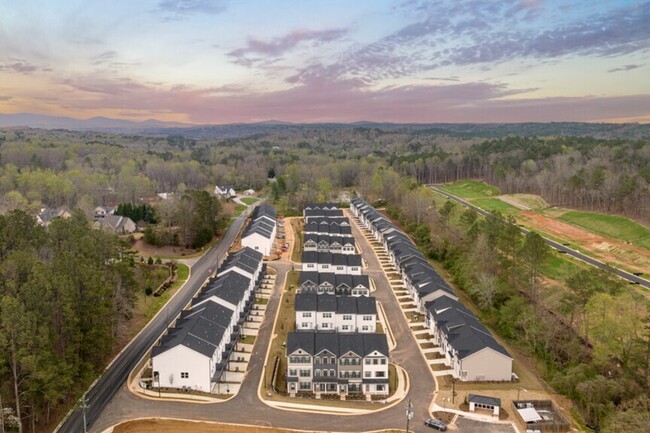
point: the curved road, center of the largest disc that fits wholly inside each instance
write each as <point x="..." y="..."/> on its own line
<point x="246" y="407"/>
<point x="115" y="375"/>
<point x="634" y="279"/>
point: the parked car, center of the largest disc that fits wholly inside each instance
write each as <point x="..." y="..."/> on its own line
<point x="436" y="424"/>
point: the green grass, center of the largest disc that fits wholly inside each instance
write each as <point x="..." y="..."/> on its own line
<point x="239" y="208"/>
<point x="249" y="200"/>
<point x="613" y="226"/>
<point x="560" y="267"/>
<point x="489" y="204"/>
<point x="471" y="189"/>
<point x="157" y="302"/>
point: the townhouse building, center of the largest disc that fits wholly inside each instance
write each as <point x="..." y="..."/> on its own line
<point x="334" y="284"/>
<point x="260" y="232"/>
<point x="344" y="314"/>
<point x="328" y="262"/>
<point x="325" y="243"/>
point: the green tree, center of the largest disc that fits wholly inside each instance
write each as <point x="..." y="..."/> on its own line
<point x="534" y="254"/>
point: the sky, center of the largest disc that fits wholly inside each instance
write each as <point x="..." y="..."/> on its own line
<point x="408" y="61"/>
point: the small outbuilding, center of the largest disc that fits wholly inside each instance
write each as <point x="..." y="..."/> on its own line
<point x="484" y="402"/>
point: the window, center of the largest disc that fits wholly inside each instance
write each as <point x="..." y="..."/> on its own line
<point x="310" y="265"/>
<point x="293" y="372"/>
<point x="367" y="373"/>
<point x="325" y="359"/>
<point x="326" y="266"/>
<point x="339" y="268"/>
<point x="333" y="360"/>
<point x="185" y="375"/>
<point x="327" y="315"/>
<point x="305" y="386"/>
<point x="325" y="325"/>
<point x="366" y="318"/>
<point x="345" y="328"/>
<point x="367" y="361"/>
<point x="306" y="314"/>
<point x="304" y="325"/>
<point x="364" y="328"/>
<point x="305" y="373"/>
<point x="347" y="317"/>
<point x="317" y="373"/>
<point x="380" y="374"/>
<point x="383" y="361"/>
<point x="380" y="387"/>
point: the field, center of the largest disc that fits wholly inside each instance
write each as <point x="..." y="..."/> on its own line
<point x="471" y="189"/>
<point x="613" y="226"/>
<point x="489" y="204"/>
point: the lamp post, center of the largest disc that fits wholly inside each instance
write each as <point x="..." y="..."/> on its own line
<point x="84" y="406"/>
<point x="519" y="390"/>
<point x="409" y="414"/>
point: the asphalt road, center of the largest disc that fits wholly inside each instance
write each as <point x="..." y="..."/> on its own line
<point x="115" y="375"/>
<point x="246" y="407"/>
<point x="633" y="279"/>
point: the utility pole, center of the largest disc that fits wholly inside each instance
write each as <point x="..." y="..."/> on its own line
<point x="84" y="406"/>
<point x="409" y="414"/>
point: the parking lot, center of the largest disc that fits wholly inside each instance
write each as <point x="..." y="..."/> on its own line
<point x="465" y="425"/>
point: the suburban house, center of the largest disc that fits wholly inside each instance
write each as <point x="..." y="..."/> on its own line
<point x="47" y="215"/>
<point x="335" y="313"/>
<point x="260" y="232"/>
<point x="329" y="243"/>
<point x="224" y="191"/>
<point x="102" y="211"/>
<point x="195" y="352"/>
<point x="328" y="262"/>
<point x="468" y="346"/>
<point x="334" y="363"/>
<point x="334" y="284"/>
<point x="249" y="191"/>
<point x="117" y="224"/>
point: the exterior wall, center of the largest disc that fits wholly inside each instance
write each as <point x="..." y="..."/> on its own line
<point x="494" y="409"/>
<point x="303" y="373"/>
<point x="366" y="320"/>
<point x="258" y="243"/>
<point x="374" y="369"/>
<point x="325" y="320"/>
<point x="305" y="320"/>
<point x="486" y="364"/>
<point x="181" y="359"/>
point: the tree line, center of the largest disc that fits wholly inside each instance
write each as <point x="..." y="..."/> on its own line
<point x="63" y="292"/>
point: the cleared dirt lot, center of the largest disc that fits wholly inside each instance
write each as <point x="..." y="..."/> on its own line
<point x="175" y="426"/>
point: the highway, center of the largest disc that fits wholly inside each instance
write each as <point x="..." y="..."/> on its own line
<point x="104" y="388"/>
<point x="633" y="279"/>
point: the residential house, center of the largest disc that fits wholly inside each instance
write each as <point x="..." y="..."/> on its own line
<point x="117" y="224"/>
<point x="327" y="229"/>
<point x="224" y="191"/>
<point x="334" y="363"/>
<point x="48" y="214"/>
<point x="102" y="211"/>
<point x="335" y="313"/>
<point x="322" y="213"/>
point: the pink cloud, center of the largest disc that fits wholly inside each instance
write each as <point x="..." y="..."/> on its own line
<point x="319" y="99"/>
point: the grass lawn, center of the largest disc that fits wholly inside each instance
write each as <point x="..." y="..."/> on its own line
<point x="249" y="200"/>
<point x="560" y="267"/>
<point x="298" y="241"/>
<point x="286" y="322"/>
<point x="471" y="189"/>
<point x="613" y="226"/>
<point x="489" y="204"/>
<point x="534" y="202"/>
<point x="155" y="303"/>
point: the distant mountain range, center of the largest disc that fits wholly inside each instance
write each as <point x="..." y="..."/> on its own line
<point x="486" y="130"/>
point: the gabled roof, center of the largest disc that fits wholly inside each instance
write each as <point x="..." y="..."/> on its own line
<point x="334" y="259"/>
<point x="482" y="399"/>
<point x="114" y="222"/>
<point x="338" y="344"/>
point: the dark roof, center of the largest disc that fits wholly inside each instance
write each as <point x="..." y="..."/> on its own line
<point x="338" y="344"/>
<point x="324" y="213"/>
<point x="334" y="259"/>
<point x="482" y="399"/>
<point x="312" y="206"/>
<point x="335" y="280"/>
<point x="230" y="287"/>
<point x="338" y="304"/>
<point x="261" y="226"/>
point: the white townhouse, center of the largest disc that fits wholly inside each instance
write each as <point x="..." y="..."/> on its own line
<point x="329" y="243"/>
<point x="188" y="355"/>
<point x="327" y="229"/>
<point x="334" y="284"/>
<point x="260" y="232"/>
<point x="333" y="363"/>
<point x="335" y="313"/>
<point x="327" y="262"/>
<point x="469" y="348"/>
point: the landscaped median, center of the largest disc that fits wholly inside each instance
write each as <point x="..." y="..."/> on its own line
<point x="273" y="386"/>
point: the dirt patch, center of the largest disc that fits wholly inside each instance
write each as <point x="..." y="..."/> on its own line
<point x="147" y="250"/>
<point x="605" y="249"/>
<point x="174" y="426"/>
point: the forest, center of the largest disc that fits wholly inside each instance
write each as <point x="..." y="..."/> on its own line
<point x="64" y="289"/>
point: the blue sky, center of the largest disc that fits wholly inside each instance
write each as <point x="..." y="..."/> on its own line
<point x="220" y="61"/>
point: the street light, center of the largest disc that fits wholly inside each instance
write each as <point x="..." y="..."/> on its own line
<point x="519" y="390"/>
<point x="409" y="414"/>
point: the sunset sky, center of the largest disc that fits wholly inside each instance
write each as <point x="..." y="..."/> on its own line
<point x="220" y="61"/>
